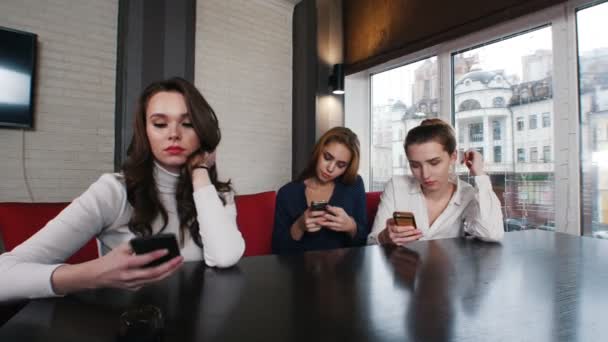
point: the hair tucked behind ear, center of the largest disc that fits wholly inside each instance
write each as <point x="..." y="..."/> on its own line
<point x="138" y="168"/>
<point x="435" y="130"/>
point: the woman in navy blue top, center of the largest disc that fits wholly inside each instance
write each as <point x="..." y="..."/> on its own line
<point x="331" y="176"/>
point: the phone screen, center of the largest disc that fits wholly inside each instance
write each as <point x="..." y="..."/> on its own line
<point x="404" y="218"/>
<point x="318" y="205"/>
<point x="146" y="244"/>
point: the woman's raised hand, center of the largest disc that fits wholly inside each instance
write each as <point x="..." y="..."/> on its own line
<point x="196" y="166"/>
<point x="474" y="161"/>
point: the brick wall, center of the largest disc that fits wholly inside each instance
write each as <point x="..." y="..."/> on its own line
<point x="72" y="143"/>
<point x="243" y="67"/>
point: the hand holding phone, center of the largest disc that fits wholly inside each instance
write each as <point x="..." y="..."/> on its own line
<point x="146" y="244"/>
<point x="400" y="229"/>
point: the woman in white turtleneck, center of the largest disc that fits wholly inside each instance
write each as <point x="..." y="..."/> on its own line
<point x="168" y="184"/>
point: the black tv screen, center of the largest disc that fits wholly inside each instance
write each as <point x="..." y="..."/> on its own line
<point x="17" y="66"/>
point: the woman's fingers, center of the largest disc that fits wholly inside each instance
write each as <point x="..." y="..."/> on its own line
<point x="140" y="260"/>
<point x="140" y="276"/>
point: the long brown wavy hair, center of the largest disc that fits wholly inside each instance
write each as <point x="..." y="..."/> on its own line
<point x="340" y="135"/>
<point x="138" y="169"/>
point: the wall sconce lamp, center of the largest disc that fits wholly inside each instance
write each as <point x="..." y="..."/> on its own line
<point x="336" y="80"/>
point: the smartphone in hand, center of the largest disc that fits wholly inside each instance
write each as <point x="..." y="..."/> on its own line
<point x="318" y="205"/>
<point x="404" y="218"/>
<point x="146" y="244"/>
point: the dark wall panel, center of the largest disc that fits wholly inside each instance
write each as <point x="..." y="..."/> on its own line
<point x="378" y="31"/>
<point x="305" y="79"/>
<point x="155" y="41"/>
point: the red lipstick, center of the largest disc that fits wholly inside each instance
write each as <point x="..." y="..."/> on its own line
<point x="174" y="150"/>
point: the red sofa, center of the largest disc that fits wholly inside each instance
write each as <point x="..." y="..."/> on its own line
<point x="255" y="218"/>
<point x="19" y="221"/>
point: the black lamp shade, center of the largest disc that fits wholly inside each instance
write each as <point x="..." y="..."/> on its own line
<point x="336" y="80"/>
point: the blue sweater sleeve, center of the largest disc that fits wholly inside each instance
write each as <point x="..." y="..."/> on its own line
<point x="281" y="236"/>
<point x="360" y="213"/>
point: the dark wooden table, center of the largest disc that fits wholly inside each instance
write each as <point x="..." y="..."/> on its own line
<point x="535" y="286"/>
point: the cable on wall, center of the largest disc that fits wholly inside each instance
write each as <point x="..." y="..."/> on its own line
<point x="25" y="180"/>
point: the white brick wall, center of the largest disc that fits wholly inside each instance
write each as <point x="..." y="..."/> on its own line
<point x="72" y="143"/>
<point x="243" y="68"/>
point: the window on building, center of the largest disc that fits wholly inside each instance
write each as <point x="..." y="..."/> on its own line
<point x="521" y="155"/>
<point x="476" y="132"/>
<point x="547" y="154"/>
<point x="496" y="130"/>
<point x="469" y="105"/>
<point x="533" y="155"/>
<point x="546" y="120"/>
<point x="520" y="123"/>
<point x="499" y="102"/>
<point x="532" y="123"/>
<point x="497" y="154"/>
<point x="461" y="133"/>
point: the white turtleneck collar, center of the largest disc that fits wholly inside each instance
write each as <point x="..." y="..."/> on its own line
<point x="166" y="181"/>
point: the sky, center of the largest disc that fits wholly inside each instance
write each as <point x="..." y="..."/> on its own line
<point x="592" y="26"/>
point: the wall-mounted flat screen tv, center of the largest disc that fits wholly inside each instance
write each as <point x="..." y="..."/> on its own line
<point x="17" y="75"/>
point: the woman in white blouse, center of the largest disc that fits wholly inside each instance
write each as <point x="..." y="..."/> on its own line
<point x="168" y="184"/>
<point x="443" y="205"/>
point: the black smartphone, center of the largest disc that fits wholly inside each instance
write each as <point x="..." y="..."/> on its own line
<point x="318" y="205"/>
<point x="404" y="218"/>
<point x="147" y="244"/>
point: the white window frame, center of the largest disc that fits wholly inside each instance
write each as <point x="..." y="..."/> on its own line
<point x="565" y="120"/>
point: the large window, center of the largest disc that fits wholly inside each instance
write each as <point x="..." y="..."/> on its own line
<point x="401" y="98"/>
<point x="517" y="69"/>
<point x="499" y="98"/>
<point x="593" y="93"/>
